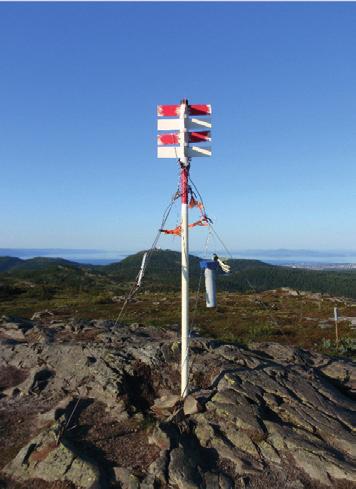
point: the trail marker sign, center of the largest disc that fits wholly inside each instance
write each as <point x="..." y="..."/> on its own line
<point x="189" y="130"/>
<point x="175" y="137"/>
<point x="193" y="124"/>
<point x="188" y="141"/>
<point x="175" y="110"/>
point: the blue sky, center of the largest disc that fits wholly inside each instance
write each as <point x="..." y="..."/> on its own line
<point x="79" y="85"/>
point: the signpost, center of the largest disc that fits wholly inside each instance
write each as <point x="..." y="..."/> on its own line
<point x="176" y="145"/>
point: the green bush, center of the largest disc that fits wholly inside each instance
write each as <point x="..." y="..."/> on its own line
<point x="258" y="331"/>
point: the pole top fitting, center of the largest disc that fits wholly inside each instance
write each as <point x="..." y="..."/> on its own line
<point x="185" y="164"/>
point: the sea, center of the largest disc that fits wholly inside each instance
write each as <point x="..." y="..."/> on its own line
<point x="299" y="258"/>
<point x="89" y="257"/>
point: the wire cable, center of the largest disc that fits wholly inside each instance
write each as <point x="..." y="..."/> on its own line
<point x="135" y="286"/>
<point x="251" y="286"/>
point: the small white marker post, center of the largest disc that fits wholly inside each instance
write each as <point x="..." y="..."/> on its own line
<point x="336" y="319"/>
<point x="186" y="125"/>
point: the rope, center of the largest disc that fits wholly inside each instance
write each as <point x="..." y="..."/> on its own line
<point x="252" y="287"/>
<point x="72" y="413"/>
<point x="197" y="191"/>
<point x="221" y="242"/>
<point x="142" y="271"/>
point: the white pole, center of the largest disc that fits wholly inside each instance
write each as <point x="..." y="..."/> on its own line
<point x="336" y="318"/>
<point x="184" y="162"/>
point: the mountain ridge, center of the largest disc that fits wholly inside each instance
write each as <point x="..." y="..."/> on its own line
<point x="164" y="271"/>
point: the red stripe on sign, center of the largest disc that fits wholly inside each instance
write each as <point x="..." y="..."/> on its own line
<point x="168" y="110"/>
<point x="199" y="137"/>
<point x="172" y="138"/>
<point x="199" y="109"/>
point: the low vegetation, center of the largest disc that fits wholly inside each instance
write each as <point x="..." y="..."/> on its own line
<point x="256" y="302"/>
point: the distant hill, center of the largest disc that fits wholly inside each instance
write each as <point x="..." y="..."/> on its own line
<point x="163" y="273"/>
<point x="337" y="283"/>
<point x="163" y="268"/>
<point x="45" y="277"/>
<point x="162" y="261"/>
<point x="8" y="262"/>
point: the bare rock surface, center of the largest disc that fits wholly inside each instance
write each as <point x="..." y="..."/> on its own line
<point x="94" y="404"/>
<point x="46" y="458"/>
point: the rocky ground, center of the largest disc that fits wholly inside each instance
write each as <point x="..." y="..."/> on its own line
<point x="93" y="404"/>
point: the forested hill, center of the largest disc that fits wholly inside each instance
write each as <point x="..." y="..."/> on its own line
<point x="163" y="272"/>
<point x="246" y="275"/>
<point x="8" y="262"/>
<point x="13" y="264"/>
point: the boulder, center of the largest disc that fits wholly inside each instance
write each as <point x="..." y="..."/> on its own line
<point x="192" y="405"/>
<point x="166" y="404"/>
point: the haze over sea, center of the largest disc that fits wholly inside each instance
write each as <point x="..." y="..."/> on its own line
<point x="104" y="257"/>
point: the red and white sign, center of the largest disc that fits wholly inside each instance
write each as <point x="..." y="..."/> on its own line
<point x="168" y="110"/>
<point x="200" y="109"/>
<point x="183" y="131"/>
<point x="168" y="138"/>
<point x="199" y="137"/>
<point x="193" y="124"/>
<point x="174" y="110"/>
<point x="194" y="151"/>
<point x="181" y="152"/>
<point x="174" y="137"/>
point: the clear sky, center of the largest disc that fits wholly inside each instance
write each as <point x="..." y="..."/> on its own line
<point x="79" y="84"/>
